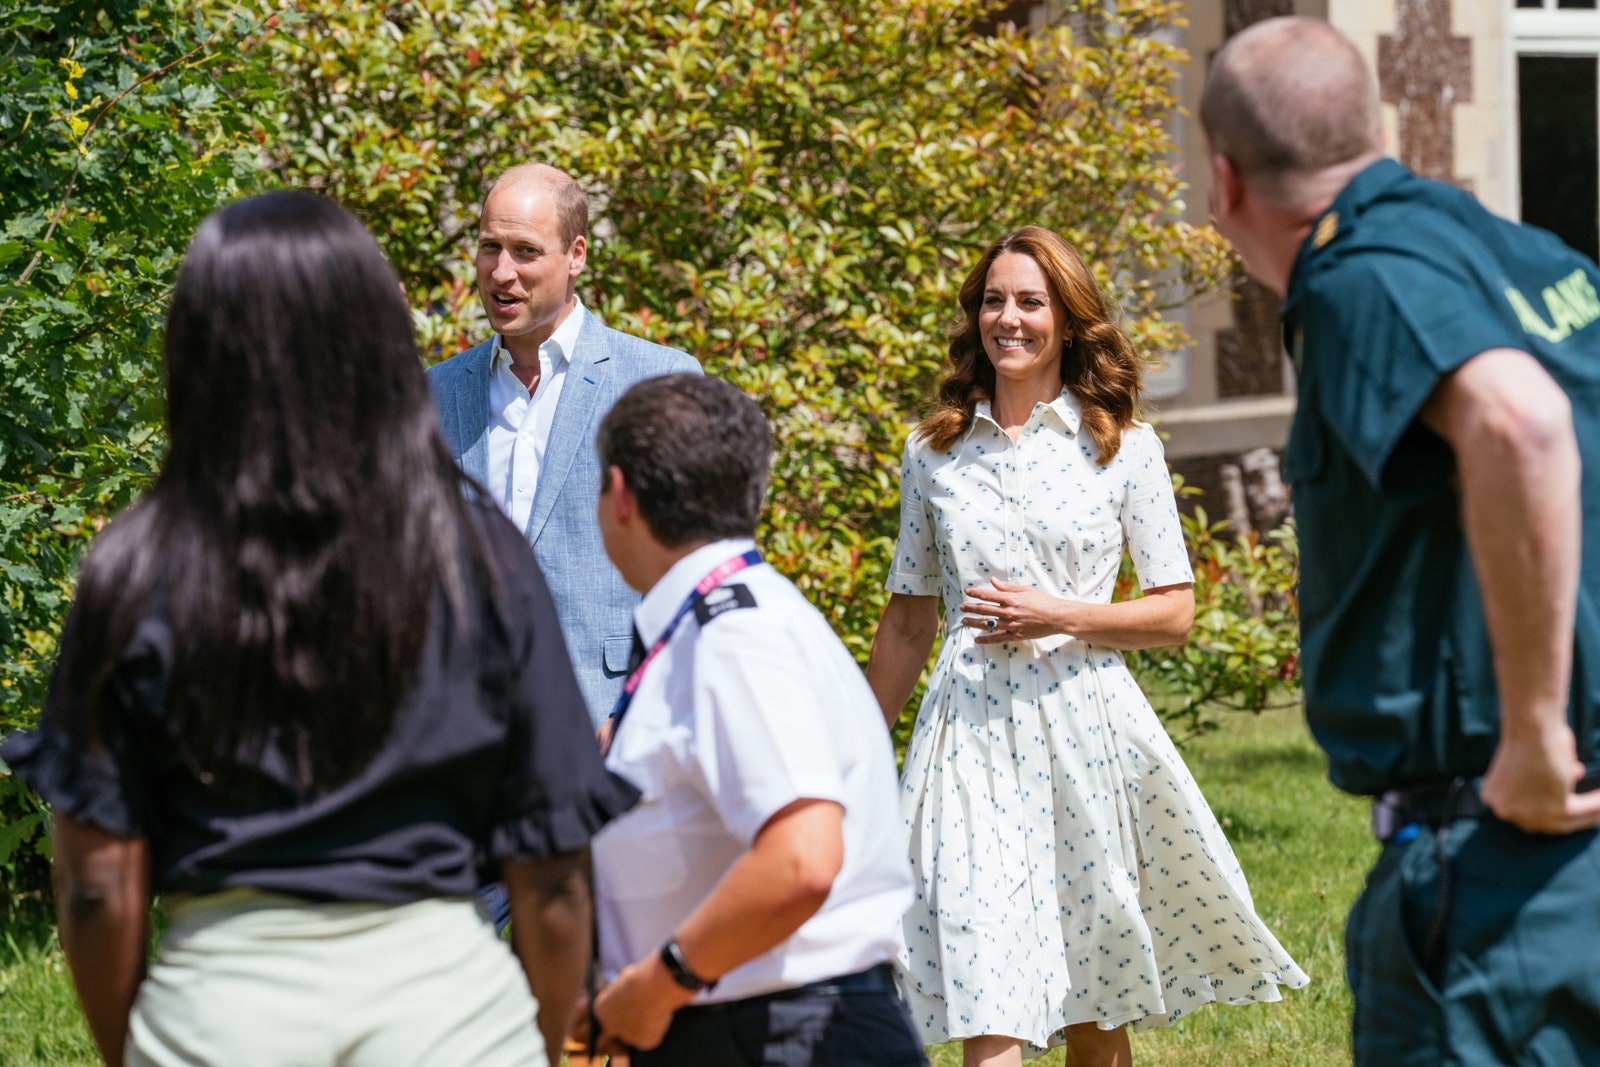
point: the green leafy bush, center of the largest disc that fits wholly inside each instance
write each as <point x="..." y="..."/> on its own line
<point x="24" y="854"/>
<point x="792" y="192"/>
<point x="1243" y="653"/>
<point x="121" y="125"/>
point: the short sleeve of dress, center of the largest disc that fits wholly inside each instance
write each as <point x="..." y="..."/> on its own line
<point x="555" y="793"/>
<point x="97" y="782"/>
<point x="1150" y="513"/>
<point x="915" y="569"/>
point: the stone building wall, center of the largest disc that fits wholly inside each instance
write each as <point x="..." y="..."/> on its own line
<point x="1447" y="78"/>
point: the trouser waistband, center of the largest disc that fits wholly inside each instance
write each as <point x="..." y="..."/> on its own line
<point x="875" y="979"/>
<point x="1443" y="803"/>
<point x="1430" y="805"/>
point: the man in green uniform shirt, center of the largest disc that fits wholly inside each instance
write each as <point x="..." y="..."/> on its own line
<point x="1445" y="462"/>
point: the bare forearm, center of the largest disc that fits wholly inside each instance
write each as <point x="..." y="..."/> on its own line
<point x="1517" y="461"/>
<point x="102" y="906"/>
<point x="1148" y="622"/>
<point x="766" y="896"/>
<point x="770" y="891"/>
<point x="750" y="912"/>
<point x="106" y="953"/>
<point x="552" y="919"/>
<point x="762" y="900"/>
<point x="900" y="650"/>
<point x="1510" y="427"/>
<point x="1522" y="517"/>
<point x="1004" y="612"/>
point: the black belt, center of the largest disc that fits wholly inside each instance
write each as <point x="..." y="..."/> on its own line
<point x="875" y="979"/>
<point x="1439" y="805"/>
<point x="1426" y="806"/>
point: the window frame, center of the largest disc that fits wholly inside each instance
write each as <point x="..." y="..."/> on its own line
<point x="1548" y="31"/>
<point x="1551" y="32"/>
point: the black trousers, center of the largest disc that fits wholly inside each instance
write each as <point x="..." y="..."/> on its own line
<point x="856" y="1020"/>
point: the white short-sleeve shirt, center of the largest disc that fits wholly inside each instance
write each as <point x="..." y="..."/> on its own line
<point x="734" y="720"/>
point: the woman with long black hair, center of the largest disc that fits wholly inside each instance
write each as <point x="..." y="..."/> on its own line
<point x="315" y="693"/>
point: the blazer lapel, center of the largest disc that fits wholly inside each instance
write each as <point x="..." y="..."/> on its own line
<point x="472" y="411"/>
<point x="572" y="429"/>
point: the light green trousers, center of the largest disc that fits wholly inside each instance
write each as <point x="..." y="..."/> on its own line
<point x="250" y="979"/>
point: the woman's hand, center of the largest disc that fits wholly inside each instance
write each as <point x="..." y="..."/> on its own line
<point x="1013" y="612"/>
<point x="1162" y="616"/>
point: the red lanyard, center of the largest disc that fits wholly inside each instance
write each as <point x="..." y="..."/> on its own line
<point x="718" y="575"/>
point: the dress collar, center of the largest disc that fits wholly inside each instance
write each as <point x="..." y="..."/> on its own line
<point x="1066" y="409"/>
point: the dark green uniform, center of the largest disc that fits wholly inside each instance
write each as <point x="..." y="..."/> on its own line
<point x="1401" y="282"/>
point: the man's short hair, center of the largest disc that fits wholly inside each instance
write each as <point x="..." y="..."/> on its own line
<point x="572" y="206"/>
<point x="694" y="451"/>
<point x="1290" y="96"/>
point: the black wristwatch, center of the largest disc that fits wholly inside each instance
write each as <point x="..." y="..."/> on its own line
<point x="672" y="960"/>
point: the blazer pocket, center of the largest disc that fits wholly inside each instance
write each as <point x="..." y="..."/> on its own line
<point x="617" y="651"/>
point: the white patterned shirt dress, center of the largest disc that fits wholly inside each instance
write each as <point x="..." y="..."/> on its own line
<point x="1068" y="869"/>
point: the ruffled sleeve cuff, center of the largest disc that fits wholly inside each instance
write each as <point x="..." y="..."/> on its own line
<point x="78" y="783"/>
<point x="551" y="831"/>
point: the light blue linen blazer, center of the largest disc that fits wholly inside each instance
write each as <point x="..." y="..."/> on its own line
<point x="594" y="604"/>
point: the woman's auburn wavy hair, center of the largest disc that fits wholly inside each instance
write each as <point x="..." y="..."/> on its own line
<point x="1101" y="366"/>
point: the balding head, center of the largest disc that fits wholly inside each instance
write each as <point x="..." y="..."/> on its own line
<point x="572" y="206"/>
<point x="1289" y="97"/>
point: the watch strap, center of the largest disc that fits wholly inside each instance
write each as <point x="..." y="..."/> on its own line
<point x="672" y="959"/>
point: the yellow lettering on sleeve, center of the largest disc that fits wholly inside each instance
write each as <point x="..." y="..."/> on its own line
<point x="1530" y="320"/>
<point x="1562" y="314"/>
<point x="1580" y="294"/>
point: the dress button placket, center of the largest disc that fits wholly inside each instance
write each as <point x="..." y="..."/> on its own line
<point x="1008" y="487"/>
<point x="1033" y="752"/>
<point x="1013" y="488"/>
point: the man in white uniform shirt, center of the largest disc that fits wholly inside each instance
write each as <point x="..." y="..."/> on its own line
<point x="749" y="906"/>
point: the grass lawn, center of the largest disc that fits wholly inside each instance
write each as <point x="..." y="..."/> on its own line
<point x="39" y="1018"/>
<point x="1304" y="848"/>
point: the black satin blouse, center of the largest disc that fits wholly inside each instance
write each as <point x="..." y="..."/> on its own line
<point x="491" y="757"/>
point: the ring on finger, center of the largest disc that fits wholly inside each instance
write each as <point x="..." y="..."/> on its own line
<point x="989" y="623"/>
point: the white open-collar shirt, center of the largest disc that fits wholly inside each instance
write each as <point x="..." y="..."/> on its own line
<point x="519" y="423"/>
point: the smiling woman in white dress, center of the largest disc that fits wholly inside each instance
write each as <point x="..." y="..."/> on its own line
<point x="1071" y="879"/>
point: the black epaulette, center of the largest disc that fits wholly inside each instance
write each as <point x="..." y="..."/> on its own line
<point x="723" y="598"/>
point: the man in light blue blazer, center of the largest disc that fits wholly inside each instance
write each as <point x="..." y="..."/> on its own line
<point x="520" y="410"/>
